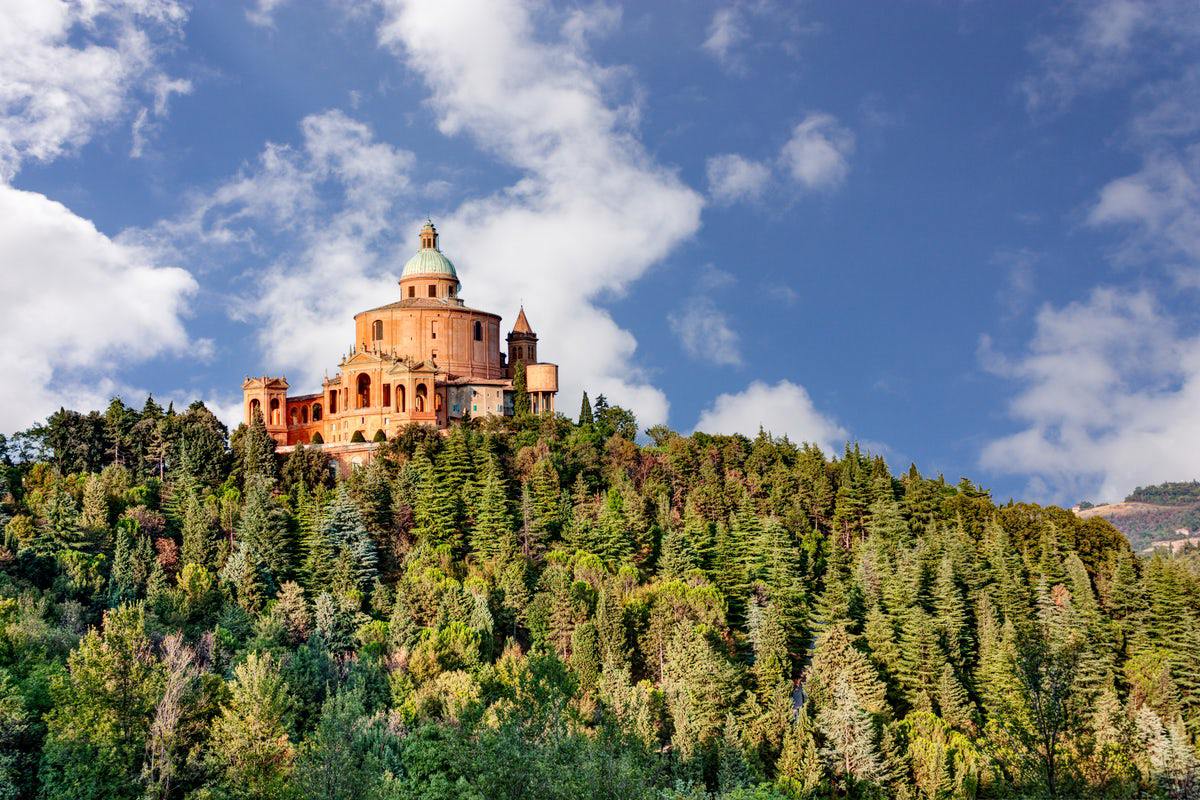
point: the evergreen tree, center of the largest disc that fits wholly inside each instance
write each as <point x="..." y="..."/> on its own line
<point x="492" y="535"/>
<point x="851" y="752"/>
<point x="198" y="540"/>
<point x="521" y="407"/>
<point x="258" y="451"/>
<point x="251" y="753"/>
<point x="262" y="531"/>
<point x="96" y="735"/>
<point x="585" y="411"/>
<point x="799" y="771"/>
<point x="351" y="546"/>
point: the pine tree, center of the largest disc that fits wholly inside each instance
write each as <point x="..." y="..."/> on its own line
<point x="851" y="751"/>
<point x="492" y="535"/>
<point x="124" y="581"/>
<point x="262" y="531"/>
<point x="95" y="505"/>
<point x="613" y="541"/>
<point x="343" y="528"/>
<point x="258" y="451"/>
<point x="836" y="659"/>
<point x="252" y="756"/>
<point x="799" y="771"/>
<point x="198" y="539"/>
<point x="437" y="508"/>
<point x="950" y="615"/>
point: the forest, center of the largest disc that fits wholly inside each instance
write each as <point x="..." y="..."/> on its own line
<point x="543" y="607"/>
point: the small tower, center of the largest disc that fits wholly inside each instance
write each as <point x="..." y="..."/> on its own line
<point x="267" y="396"/>
<point x="522" y="343"/>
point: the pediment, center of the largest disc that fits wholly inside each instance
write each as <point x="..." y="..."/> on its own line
<point x="362" y="359"/>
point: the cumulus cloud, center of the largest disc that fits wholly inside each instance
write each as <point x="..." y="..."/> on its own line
<point x="1109" y="398"/>
<point x="783" y="408"/>
<point x="732" y="178"/>
<point x="327" y="207"/>
<point x="817" y="154"/>
<point x="592" y="211"/>
<point x="67" y="69"/>
<point x="1160" y="205"/>
<point x="75" y="305"/>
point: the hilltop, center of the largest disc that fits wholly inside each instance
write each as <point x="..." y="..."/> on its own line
<point x="1153" y="513"/>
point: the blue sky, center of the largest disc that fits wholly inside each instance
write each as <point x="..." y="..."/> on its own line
<point x="965" y="233"/>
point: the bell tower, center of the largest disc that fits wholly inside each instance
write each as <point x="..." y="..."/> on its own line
<point x="522" y="343"/>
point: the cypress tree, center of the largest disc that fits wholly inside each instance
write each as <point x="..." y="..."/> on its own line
<point x="521" y="407"/>
<point x="585" y="411"/>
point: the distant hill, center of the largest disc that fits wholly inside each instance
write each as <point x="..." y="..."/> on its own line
<point x="1184" y="493"/>
<point x="1153" y="513"/>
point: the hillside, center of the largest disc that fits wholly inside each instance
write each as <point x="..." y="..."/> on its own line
<point x="534" y="607"/>
<point x="1153" y="513"/>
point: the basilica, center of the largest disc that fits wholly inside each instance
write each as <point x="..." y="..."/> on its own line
<point x="426" y="358"/>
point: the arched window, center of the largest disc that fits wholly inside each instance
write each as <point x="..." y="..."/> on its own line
<point x="421" y="394"/>
<point x="333" y="401"/>
<point x="304" y="415"/>
<point x="387" y="395"/>
<point x="437" y="402"/>
<point x="377" y="330"/>
<point x="316" y="412"/>
<point x="518" y="354"/>
<point x="364" y="390"/>
<point x="400" y="398"/>
<point x="478" y="331"/>
<point x="275" y="418"/>
<point x="294" y="417"/>
<point x="255" y="406"/>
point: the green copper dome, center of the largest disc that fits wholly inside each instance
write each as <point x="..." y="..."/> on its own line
<point x="428" y="261"/>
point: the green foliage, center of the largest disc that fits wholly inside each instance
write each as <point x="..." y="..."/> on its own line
<point x="537" y="608"/>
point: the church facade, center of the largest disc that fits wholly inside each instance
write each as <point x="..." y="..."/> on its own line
<point x="426" y="358"/>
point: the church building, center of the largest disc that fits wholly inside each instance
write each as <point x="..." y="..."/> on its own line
<point x="426" y="358"/>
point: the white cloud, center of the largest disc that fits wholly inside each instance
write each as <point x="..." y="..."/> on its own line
<point x="75" y="305"/>
<point x="262" y="12"/>
<point x="782" y="408"/>
<point x="817" y="154"/>
<point x="69" y="68"/>
<point x="1161" y="203"/>
<point x="1110" y="399"/>
<point x="705" y="332"/>
<point x="1107" y="43"/>
<point x="726" y="32"/>
<point x="592" y="211"/>
<point x="732" y="178"/>
<point x="332" y="201"/>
